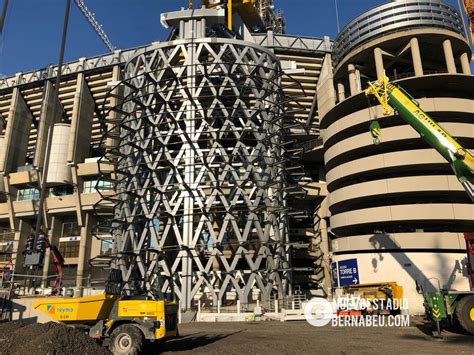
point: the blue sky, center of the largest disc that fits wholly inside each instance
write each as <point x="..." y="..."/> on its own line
<point x="33" y="27"/>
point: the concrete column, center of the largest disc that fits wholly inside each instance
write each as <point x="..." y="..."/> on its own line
<point x="341" y="92"/>
<point x="78" y="184"/>
<point x="325" y="97"/>
<point x="325" y="244"/>
<point x="114" y="101"/>
<point x="84" y="245"/>
<point x="81" y="122"/>
<point x="325" y="250"/>
<point x="46" y="120"/>
<point x="53" y="234"/>
<point x="21" y="234"/>
<point x="449" y="57"/>
<point x="15" y="143"/>
<point x="466" y="68"/>
<point x="416" y="57"/>
<point x="378" y="62"/>
<point x="10" y="194"/>
<point x="352" y="79"/>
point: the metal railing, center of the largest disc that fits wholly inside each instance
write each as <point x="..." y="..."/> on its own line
<point x="100" y="61"/>
<point x="395" y="17"/>
<point x="284" y="41"/>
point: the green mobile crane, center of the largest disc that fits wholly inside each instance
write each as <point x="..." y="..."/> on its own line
<point x="455" y="307"/>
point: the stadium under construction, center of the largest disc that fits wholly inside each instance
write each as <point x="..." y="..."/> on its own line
<point x="231" y="164"/>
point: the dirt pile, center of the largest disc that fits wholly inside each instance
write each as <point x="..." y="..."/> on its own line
<point x="45" y="339"/>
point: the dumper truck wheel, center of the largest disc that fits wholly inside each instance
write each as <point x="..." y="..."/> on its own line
<point x="126" y="339"/>
<point x="465" y="313"/>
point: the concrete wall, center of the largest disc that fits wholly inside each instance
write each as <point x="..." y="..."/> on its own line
<point x="397" y="207"/>
<point x="81" y="123"/>
<point x="406" y="267"/>
<point x="16" y="134"/>
<point x="28" y="113"/>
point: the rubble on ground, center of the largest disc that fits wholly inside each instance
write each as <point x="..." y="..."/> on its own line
<point x="50" y="338"/>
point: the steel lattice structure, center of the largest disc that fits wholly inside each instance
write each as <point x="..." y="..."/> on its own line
<point x="200" y="173"/>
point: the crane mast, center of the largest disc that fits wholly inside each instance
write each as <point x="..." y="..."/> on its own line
<point x="95" y="25"/>
<point x="393" y="97"/>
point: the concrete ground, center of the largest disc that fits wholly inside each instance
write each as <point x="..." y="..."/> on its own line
<point x="300" y="337"/>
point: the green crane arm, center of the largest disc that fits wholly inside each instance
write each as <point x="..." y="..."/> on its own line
<point x="392" y="96"/>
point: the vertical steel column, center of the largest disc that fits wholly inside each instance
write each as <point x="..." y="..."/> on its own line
<point x="188" y="212"/>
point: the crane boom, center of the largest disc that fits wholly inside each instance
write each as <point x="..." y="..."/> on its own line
<point x="95" y="25"/>
<point x="392" y="96"/>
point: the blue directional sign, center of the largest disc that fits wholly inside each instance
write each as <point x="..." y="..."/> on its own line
<point x="348" y="272"/>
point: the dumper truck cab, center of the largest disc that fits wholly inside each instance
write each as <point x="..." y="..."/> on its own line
<point x="123" y="323"/>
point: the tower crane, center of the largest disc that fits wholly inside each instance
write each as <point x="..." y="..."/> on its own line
<point x="95" y="25"/>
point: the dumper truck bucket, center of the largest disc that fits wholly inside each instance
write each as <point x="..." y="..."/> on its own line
<point x="77" y="310"/>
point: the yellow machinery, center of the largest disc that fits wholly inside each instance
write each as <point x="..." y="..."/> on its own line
<point x="443" y="305"/>
<point x="384" y="297"/>
<point x="378" y="290"/>
<point x="246" y="8"/>
<point x="122" y="323"/>
<point x="77" y="310"/>
<point x="392" y="97"/>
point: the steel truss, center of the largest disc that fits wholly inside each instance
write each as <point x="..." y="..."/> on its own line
<point x="201" y="176"/>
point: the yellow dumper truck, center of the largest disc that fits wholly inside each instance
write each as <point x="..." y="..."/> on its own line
<point x="123" y="323"/>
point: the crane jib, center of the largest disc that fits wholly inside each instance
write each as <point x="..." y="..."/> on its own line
<point x="394" y="97"/>
<point x="436" y="134"/>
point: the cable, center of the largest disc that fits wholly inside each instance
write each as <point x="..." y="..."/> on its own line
<point x="2" y="36"/>
<point x="44" y="175"/>
<point x="4" y="15"/>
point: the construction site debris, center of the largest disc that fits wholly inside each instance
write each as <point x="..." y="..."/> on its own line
<point x="50" y="338"/>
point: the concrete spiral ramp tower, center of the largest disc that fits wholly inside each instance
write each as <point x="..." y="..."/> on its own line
<point x="397" y="208"/>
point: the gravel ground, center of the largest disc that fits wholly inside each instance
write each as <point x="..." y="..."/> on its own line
<point x="271" y="337"/>
<point x="299" y="337"/>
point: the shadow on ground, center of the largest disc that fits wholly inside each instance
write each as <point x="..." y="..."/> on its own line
<point x="185" y="343"/>
<point x="455" y="335"/>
